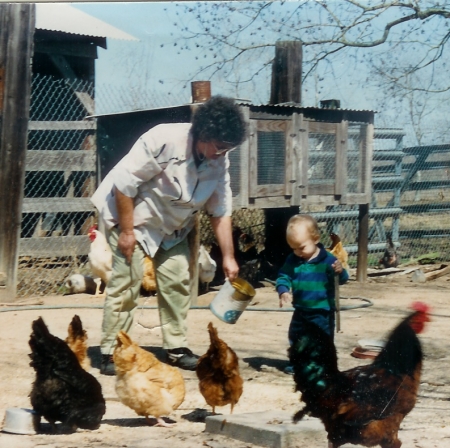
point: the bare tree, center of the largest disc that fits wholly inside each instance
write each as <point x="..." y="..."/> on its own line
<point x="228" y="32"/>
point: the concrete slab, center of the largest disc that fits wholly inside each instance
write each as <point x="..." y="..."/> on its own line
<point x="270" y="428"/>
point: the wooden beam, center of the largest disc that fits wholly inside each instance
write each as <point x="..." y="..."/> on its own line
<point x="287" y="73"/>
<point x="57" y="205"/>
<point x="17" y="24"/>
<point x="363" y="241"/>
<point x="71" y="48"/>
<point x="341" y="162"/>
<point x="60" y="160"/>
<point x="444" y="270"/>
<point x="244" y="154"/>
<point x="253" y="159"/>
<point x="61" y="246"/>
<point x="61" y="125"/>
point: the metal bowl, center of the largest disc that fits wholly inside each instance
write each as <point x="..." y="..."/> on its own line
<point x="21" y="421"/>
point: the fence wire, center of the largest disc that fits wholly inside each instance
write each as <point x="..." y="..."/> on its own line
<point x="59" y="180"/>
<point x="410" y="201"/>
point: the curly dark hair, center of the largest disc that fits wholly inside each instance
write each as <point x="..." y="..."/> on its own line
<point x="219" y="119"/>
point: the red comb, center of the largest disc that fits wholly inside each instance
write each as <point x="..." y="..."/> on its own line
<point x="420" y="306"/>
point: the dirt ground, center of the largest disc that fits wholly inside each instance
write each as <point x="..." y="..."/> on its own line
<point x="260" y="340"/>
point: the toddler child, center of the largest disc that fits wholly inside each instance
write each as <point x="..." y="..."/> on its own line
<point x="309" y="273"/>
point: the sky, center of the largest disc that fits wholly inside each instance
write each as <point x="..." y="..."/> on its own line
<point x="156" y="71"/>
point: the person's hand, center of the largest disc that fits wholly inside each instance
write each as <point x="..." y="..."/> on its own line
<point x="285" y="298"/>
<point x="126" y="244"/>
<point x="230" y="268"/>
<point x="337" y="266"/>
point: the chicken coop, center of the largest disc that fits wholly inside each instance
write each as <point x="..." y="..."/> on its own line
<point x="61" y="154"/>
<point x="294" y="156"/>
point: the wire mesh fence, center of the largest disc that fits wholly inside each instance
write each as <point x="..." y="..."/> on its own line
<point x="410" y="204"/>
<point x="410" y="200"/>
<point x="59" y="180"/>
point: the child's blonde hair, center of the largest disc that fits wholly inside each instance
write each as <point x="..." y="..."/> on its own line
<point x="308" y="221"/>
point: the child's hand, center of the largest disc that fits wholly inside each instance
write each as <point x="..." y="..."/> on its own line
<point x="337" y="266"/>
<point x="285" y="298"/>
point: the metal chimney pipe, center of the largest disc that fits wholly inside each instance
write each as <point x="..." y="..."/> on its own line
<point x="201" y="91"/>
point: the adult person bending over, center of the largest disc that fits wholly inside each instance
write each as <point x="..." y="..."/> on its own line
<point x="148" y="203"/>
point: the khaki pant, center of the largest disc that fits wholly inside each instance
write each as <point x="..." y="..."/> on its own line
<point x="122" y="293"/>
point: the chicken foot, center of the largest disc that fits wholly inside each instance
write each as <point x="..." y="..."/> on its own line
<point x="299" y="415"/>
<point x="160" y="422"/>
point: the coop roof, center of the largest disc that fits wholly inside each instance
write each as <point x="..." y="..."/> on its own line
<point x="318" y="113"/>
<point x="67" y="19"/>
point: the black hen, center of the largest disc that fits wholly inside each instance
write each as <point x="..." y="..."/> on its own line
<point x="62" y="391"/>
<point x="390" y="258"/>
<point x="364" y="405"/>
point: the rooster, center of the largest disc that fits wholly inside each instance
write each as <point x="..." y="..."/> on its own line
<point x="218" y="372"/>
<point x="337" y="249"/>
<point x="364" y="405"/>
<point x="100" y="257"/>
<point x="76" y="340"/>
<point x="145" y="384"/>
<point x="62" y="391"/>
<point x="390" y="258"/>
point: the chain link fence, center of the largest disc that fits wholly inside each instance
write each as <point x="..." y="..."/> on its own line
<point x="60" y="172"/>
<point x="410" y="201"/>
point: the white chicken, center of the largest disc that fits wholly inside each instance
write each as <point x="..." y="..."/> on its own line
<point x="206" y="267"/>
<point x="100" y="257"/>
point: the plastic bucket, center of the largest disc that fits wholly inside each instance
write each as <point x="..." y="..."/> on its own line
<point x="21" y="421"/>
<point x="231" y="300"/>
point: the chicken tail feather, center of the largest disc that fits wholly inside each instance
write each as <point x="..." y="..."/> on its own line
<point x="213" y="335"/>
<point x="313" y="356"/>
<point x="75" y="329"/>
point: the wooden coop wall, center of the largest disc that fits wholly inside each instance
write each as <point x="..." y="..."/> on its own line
<point x="292" y="161"/>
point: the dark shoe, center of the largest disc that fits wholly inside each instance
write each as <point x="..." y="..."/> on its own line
<point x="289" y="370"/>
<point x="182" y="358"/>
<point x="107" y="365"/>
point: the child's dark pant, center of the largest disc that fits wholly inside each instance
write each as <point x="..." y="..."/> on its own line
<point x="322" y="318"/>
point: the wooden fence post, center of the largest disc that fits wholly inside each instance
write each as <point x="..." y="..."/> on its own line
<point x="363" y="243"/>
<point x="287" y="73"/>
<point x="17" y="23"/>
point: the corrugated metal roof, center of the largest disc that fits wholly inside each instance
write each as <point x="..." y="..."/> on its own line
<point x="241" y="103"/>
<point x="298" y="106"/>
<point x="67" y="19"/>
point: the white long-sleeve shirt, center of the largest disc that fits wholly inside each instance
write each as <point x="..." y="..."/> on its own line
<point x="169" y="189"/>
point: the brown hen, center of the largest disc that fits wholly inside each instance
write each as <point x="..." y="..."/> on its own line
<point x="145" y="384"/>
<point x="218" y="372"/>
<point x="337" y="249"/>
<point x="76" y="340"/>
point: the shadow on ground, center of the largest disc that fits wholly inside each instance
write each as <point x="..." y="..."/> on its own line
<point x="134" y="422"/>
<point x="95" y="355"/>
<point x="258" y="361"/>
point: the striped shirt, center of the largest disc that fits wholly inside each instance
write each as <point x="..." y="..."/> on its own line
<point x="311" y="282"/>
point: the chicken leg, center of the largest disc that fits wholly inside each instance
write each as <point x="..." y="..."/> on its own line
<point x="160" y="422"/>
<point x="98" y="282"/>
